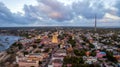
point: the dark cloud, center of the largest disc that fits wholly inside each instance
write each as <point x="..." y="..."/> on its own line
<point x="118" y="7"/>
<point x="6" y="16"/>
<point x="87" y="10"/>
<point x="5" y="13"/>
<point x="31" y="13"/>
<point x="56" y="10"/>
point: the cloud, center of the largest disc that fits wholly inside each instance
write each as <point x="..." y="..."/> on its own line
<point x="6" y="16"/>
<point x="5" y="13"/>
<point x="118" y="7"/>
<point x="88" y="9"/>
<point x="112" y="17"/>
<point x="54" y="12"/>
<point x="58" y="11"/>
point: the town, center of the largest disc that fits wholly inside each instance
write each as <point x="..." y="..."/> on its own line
<point x="62" y="47"/>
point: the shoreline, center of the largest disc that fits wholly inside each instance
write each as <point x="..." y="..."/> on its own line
<point x="7" y="41"/>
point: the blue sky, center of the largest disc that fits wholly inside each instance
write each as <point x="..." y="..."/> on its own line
<point x="59" y="12"/>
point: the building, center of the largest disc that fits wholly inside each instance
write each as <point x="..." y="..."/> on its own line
<point x="57" y="63"/>
<point x="117" y="57"/>
<point x="59" y="54"/>
<point x="57" y="58"/>
<point x="91" y="60"/>
<point x="55" y="38"/>
<point x="31" y="60"/>
<point x="28" y="63"/>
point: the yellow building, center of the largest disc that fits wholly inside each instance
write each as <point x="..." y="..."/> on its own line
<point x="55" y="38"/>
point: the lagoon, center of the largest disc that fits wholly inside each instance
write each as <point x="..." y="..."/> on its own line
<point x="7" y="41"/>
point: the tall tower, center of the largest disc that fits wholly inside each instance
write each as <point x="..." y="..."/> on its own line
<point x="55" y="38"/>
<point x="95" y="28"/>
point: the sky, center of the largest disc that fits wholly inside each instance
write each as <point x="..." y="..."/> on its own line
<point x="59" y="13"/>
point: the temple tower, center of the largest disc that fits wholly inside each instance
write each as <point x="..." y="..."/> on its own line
<point x="55" y="38"/>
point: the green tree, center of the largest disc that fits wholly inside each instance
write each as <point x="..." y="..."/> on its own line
<point x="72" y="42"/>
<point x="34" y="46"/>
<point x="91" y="45"/>
<point x="110" y="57"/>
<point x="93" y="53"/>
<point x="79" y="52"/>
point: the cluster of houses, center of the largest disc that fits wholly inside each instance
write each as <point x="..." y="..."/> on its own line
<point x="50" y="48"/>
<point x="31" y="60"/>
<point x="57" y="58"/>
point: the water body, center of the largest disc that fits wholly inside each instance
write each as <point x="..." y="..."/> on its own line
<point x="7" y="41"/>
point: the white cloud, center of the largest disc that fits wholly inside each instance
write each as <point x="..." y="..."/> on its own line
<point x="110" y="20"/>
<point x="17" y="5"/>
<point x="68" y="2"/>
<point x="110" y="16"/>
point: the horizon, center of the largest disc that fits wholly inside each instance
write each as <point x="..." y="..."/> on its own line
<point x="60" y="26"/>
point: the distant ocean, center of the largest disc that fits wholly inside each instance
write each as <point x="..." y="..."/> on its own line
<point x="7" y="41"/>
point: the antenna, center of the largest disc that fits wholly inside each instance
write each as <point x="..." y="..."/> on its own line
<point x="95" y="29"/>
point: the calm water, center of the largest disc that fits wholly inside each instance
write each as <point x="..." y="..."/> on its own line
<point x="7" y="41"/>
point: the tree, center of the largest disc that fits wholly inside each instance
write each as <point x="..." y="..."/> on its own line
<point x="110" y="57"/>
<point x="41" y="46"/>
<point x="79" y="52"/>
<point x="72" y="42"/>
<point x="32" y="66"/>
<point x="61" y="37"/>
<point x="93" y="53"/>
<point x="40" y="62"/>
<point x="34" y="46"/>
<point x="46" y="50"/>
<point x="73" y="60"/>
<point x="80" y="65"/>
<point x="25" y="53"/>
<point x="91" y="46"/>
<point x="37" y="41"/>
<point x="19" y="45"/>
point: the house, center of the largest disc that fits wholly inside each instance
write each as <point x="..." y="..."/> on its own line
<point x="57" y="63"/>
<point x="91" y="60"/>
<point x="59" y="54"/>
<point x="30" y="60"/>
<point x="117" y="57"/>
<point x="27" y="63"/>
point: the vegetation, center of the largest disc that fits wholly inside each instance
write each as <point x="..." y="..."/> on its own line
<point x="37" y="41"/>
<point x="83" y="65"/>
<point x="72" y="42"/>
<point x="14" y="48"/>
<point x="91" y="45"/>
<point x="46" y="50"/>
<point x="19" y="45"/>
<point x="93" y="53"/>
<point x="79" y="52"/>
<point x="34" y="46"/>
<point x="77" y="62"/>
<point x="25" y="53"/>
<point x="73" y="60"/>
<point x="110" y="57"/>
